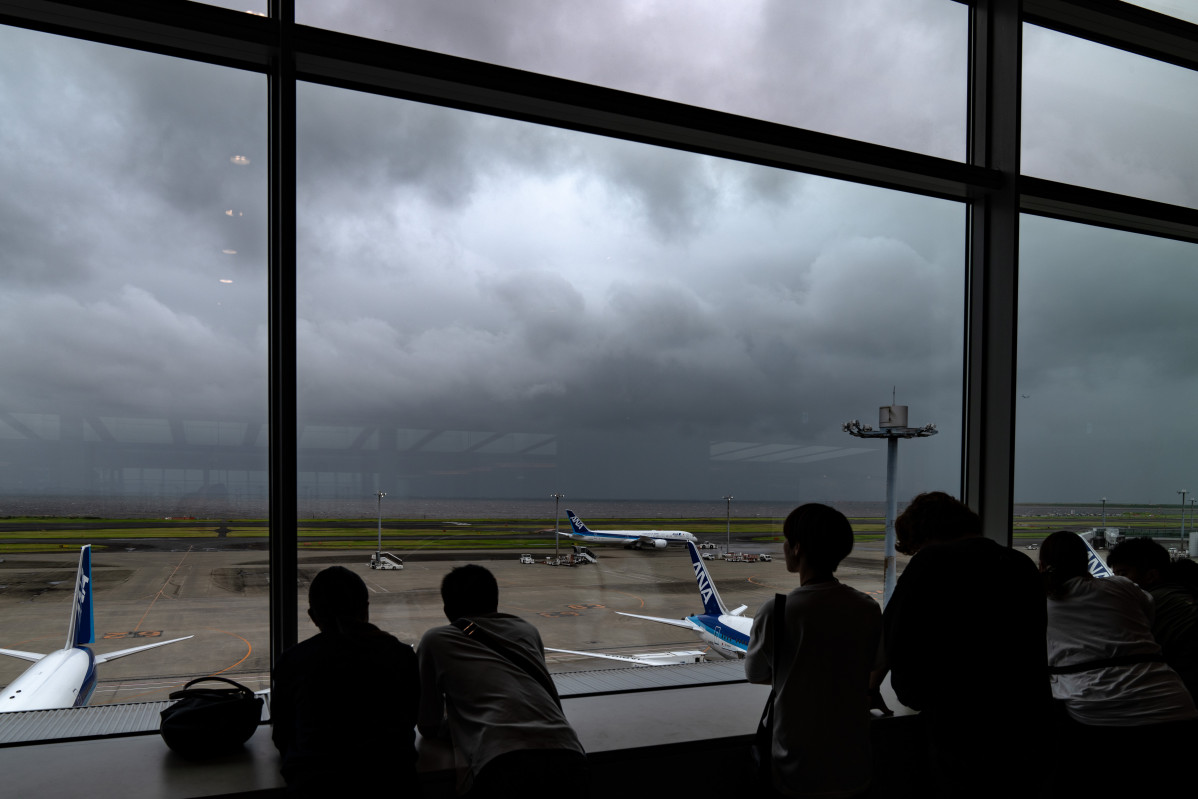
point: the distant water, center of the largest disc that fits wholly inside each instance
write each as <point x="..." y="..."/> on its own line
<point x="409" y="508"/>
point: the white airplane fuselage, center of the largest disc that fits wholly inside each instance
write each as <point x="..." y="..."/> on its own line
<point x="638" y="539"/>
<point x="64" y="678"/>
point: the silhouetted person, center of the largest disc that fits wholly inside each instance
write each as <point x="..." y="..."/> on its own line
<point x="343" y="706"/>
<point x="964" y="639"/>
<point x="1108" y="672"/>
<point x="1175" y="606"/>
<point x="484" y="684"/>
<point x="821" y="702"/>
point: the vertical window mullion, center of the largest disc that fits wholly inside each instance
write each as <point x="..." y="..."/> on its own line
<point x="283" y="424"/>
<point x="992" y="256"/>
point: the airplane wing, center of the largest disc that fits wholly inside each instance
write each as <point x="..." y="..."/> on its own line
<point x="120" y="653"/>
<point x="16" y="653"/>
<point x="648" y="659"/>
<point x="685" y="624"/>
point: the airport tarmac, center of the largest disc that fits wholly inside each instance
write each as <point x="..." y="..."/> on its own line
<point x="220" y="598"/>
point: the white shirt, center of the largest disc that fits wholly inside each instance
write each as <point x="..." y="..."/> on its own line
<point x="1106" y="618"/>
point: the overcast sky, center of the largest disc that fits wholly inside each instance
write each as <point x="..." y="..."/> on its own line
<point x="460" y="272"/>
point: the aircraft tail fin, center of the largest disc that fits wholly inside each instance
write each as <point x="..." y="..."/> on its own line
<point x="83" y="626"/>
<point x="576" y="522"/>
<point x="712" y="604"/>
<point x="1098" y="566"/>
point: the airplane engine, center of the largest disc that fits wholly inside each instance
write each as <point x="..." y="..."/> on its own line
<point x="659" y="543"/>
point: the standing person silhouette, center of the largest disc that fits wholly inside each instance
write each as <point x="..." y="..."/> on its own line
<point x="821" y="691"/>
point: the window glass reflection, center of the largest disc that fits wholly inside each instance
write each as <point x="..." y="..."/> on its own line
<point x="491" y="312"/>
<point x="132" y="333"/>
<point x="890" y="73"/>
<point x="1106" y="366"/>
<point x="1107" y="119"/>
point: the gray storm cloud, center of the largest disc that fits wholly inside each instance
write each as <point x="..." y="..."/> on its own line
<point x="462" y="272"/>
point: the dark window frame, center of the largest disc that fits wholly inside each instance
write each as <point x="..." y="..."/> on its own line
<point x="989" y="182"/>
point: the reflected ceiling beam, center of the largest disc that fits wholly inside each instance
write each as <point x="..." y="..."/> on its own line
<point x="101" y="429"/>
<point x="533" y="447"/>
<point x="250" y="437"/>
<point x="19" y="426"/>
<point x="479" y="445"/>
<point x="362" y="437"/>
<point x="423" y="441"/>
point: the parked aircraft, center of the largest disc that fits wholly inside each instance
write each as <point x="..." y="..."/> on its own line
<point x="634" y="539"/>
<point x="66" y="677"/>
<point x="726" y="630"/>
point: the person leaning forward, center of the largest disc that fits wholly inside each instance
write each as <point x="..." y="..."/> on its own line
<point x="485" y="685"/>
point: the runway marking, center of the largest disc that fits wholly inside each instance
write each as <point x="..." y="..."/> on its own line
<point x="248" y="650"/>
<point x="378" y="589"/>
<point x="634" y="596"/>
<point x="164" y="585"/>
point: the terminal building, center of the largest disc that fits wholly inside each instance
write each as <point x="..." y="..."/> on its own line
<point x="261" y="255"/>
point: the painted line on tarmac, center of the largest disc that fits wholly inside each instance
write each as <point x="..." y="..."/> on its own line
<point x="164" y="585"/>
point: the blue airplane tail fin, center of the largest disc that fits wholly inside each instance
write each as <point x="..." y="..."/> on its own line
<point x="83" y="625"/>
<point x="712" y="604"/>
<point x="1098" y="566"/>
<point x="576" y="522"/>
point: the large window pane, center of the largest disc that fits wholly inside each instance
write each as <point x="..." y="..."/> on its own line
<point x="132" y="333"/>
<point x="1107" y="370"/>
<point x="491" y="312"/>
<point x="1107" y="119"/>
<point x="885" y="72"/>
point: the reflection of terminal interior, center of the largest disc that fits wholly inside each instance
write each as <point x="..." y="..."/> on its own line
<point x="115" y="457"/>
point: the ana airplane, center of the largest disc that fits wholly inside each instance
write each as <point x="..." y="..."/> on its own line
<point x="66" y="677"/>
<point x="634" y="539"/>
<point x="726" y="630"/>
<point x="1098" y="567"/>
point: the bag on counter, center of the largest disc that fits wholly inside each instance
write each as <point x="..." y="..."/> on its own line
<point x="210" y="721"/>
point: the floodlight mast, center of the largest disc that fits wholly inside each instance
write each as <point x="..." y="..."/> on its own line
<point x="892" y="419"/>
<point x="728" y="521"/>
<point x="1104" y="515"/>
<point x="1183" y="493"/>
<point x="378" y="553"/>
<point x="557" y="515"/>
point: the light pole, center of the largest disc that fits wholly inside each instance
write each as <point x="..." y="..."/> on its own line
<point x="728" y="521"/>
<point x="557" y="501"/>
<point x="1183" y="493"/>
<point x="1104" y="514"/>
<point x="892" y="419"/>
<point x="378" y="553"/>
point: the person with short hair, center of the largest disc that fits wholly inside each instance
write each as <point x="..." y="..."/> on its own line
<point x="344" y="702"/>
<point x="821" y="716"/>
<point x="485" y="685"/>
<point x="964" y="640"/>
<point x="1175" y="606"/>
